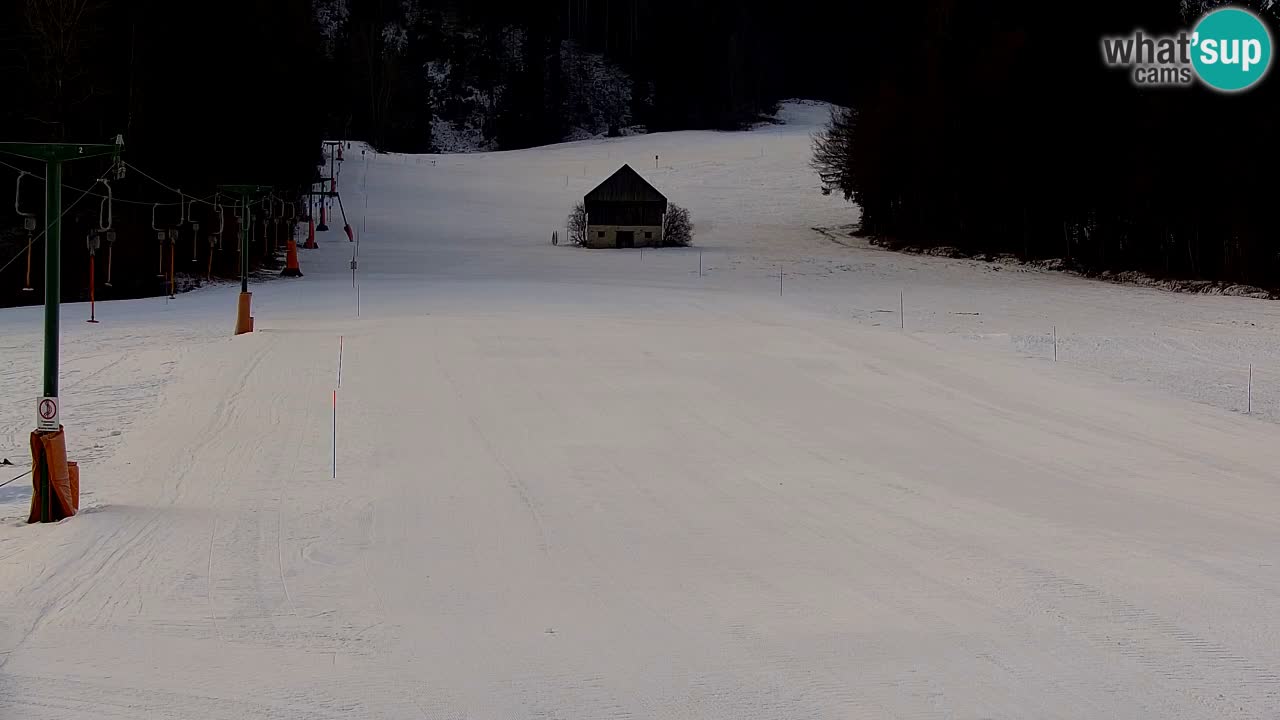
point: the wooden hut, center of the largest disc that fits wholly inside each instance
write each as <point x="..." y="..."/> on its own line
<point x="624" y="211"/>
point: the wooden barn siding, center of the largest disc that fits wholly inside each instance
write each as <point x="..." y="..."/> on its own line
<point x="625" y="213"/>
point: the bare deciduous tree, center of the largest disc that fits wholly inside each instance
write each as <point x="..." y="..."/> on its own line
<point x="577" y="225"/>
<point x="59" y="31"/>
<point x="677" y="227"/>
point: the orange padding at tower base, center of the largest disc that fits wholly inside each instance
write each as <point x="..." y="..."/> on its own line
<point x="244" y="316"/>
<point x="55" y="482"/>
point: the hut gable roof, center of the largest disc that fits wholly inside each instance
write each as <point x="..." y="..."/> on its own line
<point x="625" y="185"/>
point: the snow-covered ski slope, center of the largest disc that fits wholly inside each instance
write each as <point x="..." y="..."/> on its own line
<point x="592" y="484"/>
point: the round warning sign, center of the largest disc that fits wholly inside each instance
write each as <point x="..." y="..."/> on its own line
<point x="47" y="413"/>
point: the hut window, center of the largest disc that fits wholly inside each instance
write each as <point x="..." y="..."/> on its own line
<point x="648" y="236"/>
<point x="600" y="233"/>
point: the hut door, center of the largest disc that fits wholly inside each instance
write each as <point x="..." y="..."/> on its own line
<point x="626" y="238"/>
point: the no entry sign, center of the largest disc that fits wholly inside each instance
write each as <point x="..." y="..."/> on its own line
<point x="47" y="414"/>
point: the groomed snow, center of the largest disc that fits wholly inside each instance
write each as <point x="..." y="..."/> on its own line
<point x="593" y="484"/>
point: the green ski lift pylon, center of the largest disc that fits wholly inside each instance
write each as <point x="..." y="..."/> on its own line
<point x="53" y="155"/>
<point x="244" y="316"/>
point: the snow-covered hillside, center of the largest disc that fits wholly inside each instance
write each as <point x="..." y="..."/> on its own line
<point x="586" y="484"/>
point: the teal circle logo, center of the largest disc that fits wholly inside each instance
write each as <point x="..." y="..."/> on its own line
<point x="1231" y="49"/>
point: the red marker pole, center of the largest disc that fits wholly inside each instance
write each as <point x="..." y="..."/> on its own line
<point x="92" y="318"/>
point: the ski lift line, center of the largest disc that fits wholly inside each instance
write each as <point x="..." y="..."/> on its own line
<point x="143" y="173"/>
<point x="77" y="189"/>
<point x="189" y="199"/>
<point x="184" y="200"/>
<point x="172" y="189"/>
<point x="6" y="482"/>
<point x="125" y="201"/>
<point x="206" y="200"/>
<point x="15" y="168"/>
<point x="68" y="209"/>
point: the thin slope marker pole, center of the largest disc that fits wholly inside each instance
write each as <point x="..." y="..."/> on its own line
<point x="779" y="281"/>
<point x="1249" y="405"/>
<point x="902" y="320"/>
<point x="353" y="272"/>
<point x="340" y="338"/>
<point x="1055" y="343"/>
<point x="335" y="434"/>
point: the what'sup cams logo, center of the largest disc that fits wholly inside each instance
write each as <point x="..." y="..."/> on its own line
<point x="1229" y="50"/>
